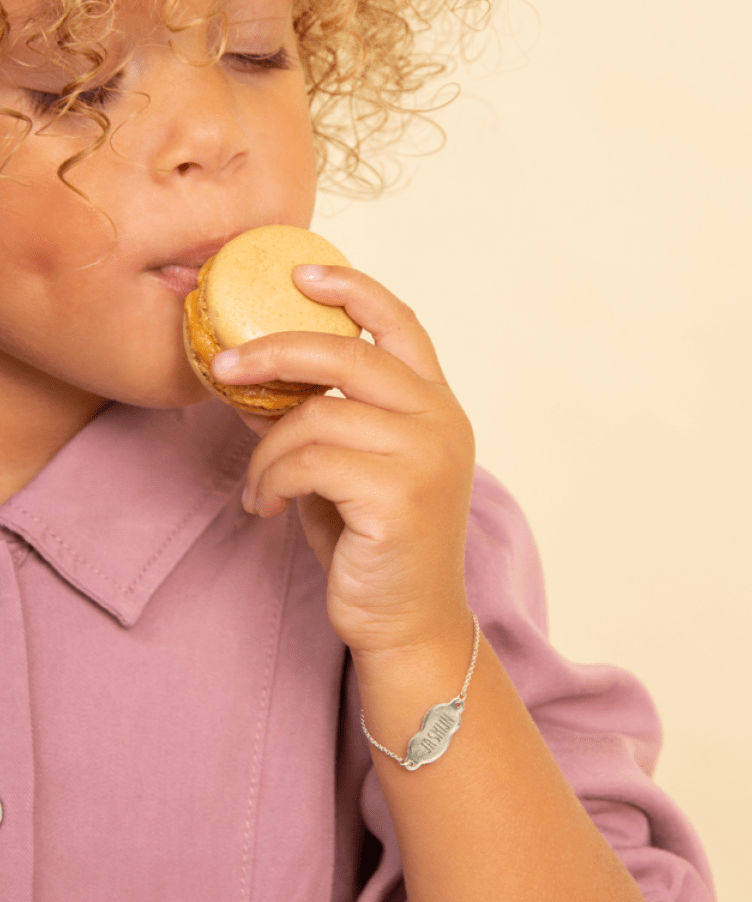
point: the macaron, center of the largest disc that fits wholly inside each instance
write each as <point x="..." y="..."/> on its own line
<point x="246" y="291"/>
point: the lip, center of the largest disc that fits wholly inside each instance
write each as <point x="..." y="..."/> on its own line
<point x="179" y="270"/>
<point x="180" y="279"/>
<point x="196" y="256"/>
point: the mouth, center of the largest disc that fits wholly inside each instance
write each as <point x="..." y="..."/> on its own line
<point x="180" y="272"/>
<point x="180" y="279"/>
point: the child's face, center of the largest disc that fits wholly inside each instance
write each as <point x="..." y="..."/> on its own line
<point x="197" y="154"/>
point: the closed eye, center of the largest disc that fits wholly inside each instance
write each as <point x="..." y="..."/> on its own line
<point x="99" y="96"/>
<point x="251" y="62"/>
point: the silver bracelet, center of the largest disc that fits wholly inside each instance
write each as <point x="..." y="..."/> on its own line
<point x="439" y="725"/>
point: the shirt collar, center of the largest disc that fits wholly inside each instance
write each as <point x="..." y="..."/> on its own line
<point x="121" y="503"/>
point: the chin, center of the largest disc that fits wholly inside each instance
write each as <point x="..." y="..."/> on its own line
<point x="183" y="396"/>
<point x="162" y="391"/>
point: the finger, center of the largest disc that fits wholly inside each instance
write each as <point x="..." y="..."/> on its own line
<point x="258" y="424"/>
<point x="342" y="476"/>
<point x="360" y="370"/>
<point x="335" y="422"/>
<point x="322" y="525"/>
<point x="393" y="324"/>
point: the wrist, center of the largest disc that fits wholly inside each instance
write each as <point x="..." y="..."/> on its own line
<point x="438" y="725"/>
<point x="398" y="690"/>
<point x="418" y="652"/>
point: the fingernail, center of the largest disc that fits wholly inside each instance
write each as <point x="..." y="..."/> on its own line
<point x="248" y="501"/>
<point x="310" y="272"/>
<point x="225" y="361"/>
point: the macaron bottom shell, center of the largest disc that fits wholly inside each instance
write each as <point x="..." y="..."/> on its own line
<point x="272" y="399"/>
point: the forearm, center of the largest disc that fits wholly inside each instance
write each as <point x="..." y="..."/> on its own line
<point x="494" y="818"/>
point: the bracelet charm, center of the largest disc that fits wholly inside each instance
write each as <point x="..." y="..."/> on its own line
<point x="439" y="724"/>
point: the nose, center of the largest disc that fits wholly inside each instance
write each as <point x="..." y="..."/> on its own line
<point x="197" y="128"/>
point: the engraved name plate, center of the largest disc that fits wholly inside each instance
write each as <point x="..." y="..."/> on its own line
<point x="439" y="725"/>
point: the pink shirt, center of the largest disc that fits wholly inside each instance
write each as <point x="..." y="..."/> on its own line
<point x="178" y="720"/>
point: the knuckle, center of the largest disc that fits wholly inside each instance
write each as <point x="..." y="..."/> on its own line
<point x="406" y="312"/>
<point x="277" y="353"/>
<point x="355" y="353"/>
<point x="313" y="411"/>
<point x="309" y="457"/>
<point x="465" y="443"/>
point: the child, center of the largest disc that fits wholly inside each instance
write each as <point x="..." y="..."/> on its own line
<point x="192" y="667"/>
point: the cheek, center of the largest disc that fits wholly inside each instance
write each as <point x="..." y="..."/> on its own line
<point x="49" y="238"/>
<point x="47" y="228"/>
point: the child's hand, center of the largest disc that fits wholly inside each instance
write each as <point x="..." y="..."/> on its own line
<point x="394" y="461"/>
<point x="382" y="477"/>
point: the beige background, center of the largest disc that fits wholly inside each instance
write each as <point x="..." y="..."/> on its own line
<point x="580" y="252"/>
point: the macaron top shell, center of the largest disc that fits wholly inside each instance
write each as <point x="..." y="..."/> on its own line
<point x="249" y="291"/>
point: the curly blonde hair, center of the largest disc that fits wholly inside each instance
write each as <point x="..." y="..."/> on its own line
<point x="366" y="74"/>
<point x="361" y="59"/>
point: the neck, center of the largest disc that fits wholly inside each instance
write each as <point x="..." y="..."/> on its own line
<point x="38" y="415"/>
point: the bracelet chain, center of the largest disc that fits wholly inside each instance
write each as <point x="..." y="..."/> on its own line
<point x="444" y="718"/>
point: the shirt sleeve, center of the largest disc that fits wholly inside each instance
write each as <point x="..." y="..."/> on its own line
<point x="599" y="722"/>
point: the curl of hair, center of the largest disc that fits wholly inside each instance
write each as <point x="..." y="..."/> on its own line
<point x="366" y="63"/>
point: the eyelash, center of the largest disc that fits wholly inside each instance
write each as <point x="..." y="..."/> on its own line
<point x="279" y="60"/>
<point x="45" y="102"/>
